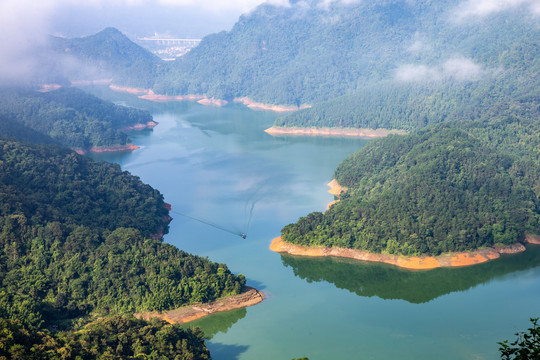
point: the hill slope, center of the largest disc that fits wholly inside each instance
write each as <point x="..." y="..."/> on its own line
<point x="71" y="117"/>
<point x="80" y="239"/>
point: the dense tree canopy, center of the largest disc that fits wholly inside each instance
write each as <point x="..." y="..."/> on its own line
<point x="45" y="183"/>
<point x="118" y="337"/>
<point x="80" y="239"/>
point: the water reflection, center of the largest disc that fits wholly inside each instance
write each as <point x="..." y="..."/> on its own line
<point x="389" y="282"/>
<point x="218" y="322"/>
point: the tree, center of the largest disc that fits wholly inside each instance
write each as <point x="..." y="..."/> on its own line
<point x="525" y="347"/>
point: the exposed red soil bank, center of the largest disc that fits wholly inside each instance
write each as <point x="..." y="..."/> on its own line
<point x="193" y="312"/>
<point x="413" y="262"/>
<point x="532" y="239"/>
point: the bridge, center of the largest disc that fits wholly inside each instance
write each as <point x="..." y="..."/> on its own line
<point x="172" y="42"/>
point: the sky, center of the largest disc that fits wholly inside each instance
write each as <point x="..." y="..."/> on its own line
<point x="73" y="18"/>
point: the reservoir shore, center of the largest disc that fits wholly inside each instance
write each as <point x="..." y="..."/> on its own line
<point x="148" y="94"/>
<point x="129" y="147"/>
<point x="343" y="132"/>
<point x="411" y="263"/>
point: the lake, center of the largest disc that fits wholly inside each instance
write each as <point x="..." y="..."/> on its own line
<point x="224" y="175"/>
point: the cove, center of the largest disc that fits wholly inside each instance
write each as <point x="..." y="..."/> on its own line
<point x="218" y="164"/>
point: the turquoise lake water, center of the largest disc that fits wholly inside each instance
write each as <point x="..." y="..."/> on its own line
<point x="218" y="165"/>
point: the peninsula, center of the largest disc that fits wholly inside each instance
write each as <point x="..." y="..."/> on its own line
<point x="249" y="297"/>
<point x="407" y="262"/>
<point x="438" y="197"/>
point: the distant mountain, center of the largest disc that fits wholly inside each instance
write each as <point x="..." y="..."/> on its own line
<point x="379" y="64"/>
<point x="313" y="51"/>
<point x="108" y="54"/>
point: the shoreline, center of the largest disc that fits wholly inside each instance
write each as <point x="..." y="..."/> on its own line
<point x="269" y="107"/>
<point x="129" y="147"/>
<point x="411" y="263"/>
<point x="336" y="190"/>
<point x="141" y="126"/>
<point x="148" y="94"/>
<point x="341" y="132"/>
<point x="185" y="314"/>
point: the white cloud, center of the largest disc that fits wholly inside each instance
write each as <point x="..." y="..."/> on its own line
<point x="216" y="5"/>
<point x="325" y="4"/>
<point x="462" y="69"/>
<point x="283" y="3"/>
<point x="26" y="24"/>
<point x="23" y="30"/>
<point x="458" y="69"/>
<point x="411" y="72"/>
<point x="416" y="46"/>
<point x="482" y="8"/>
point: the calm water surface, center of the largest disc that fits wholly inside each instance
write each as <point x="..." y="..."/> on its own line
<point x="217" y="165"/>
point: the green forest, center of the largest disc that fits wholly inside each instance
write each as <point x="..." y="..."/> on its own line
<point x="71" y="117"/>
<point x="299" y="55"/>
<point x="81" y="246"/>
<point x="450" y="187"/>
<point x="81" y="240"/>
<point x="116" y="337"/>
<point x="410" y="106"/>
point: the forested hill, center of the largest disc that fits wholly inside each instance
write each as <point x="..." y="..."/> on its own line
<point x="80" y="240"/>
<point x="70" y="116"/>
<point x="13" y="130"/>
<point x="107" y="54"/>
<point x="410" y="106"/>
<point x="313" y="51"/>
<point x="453" y="187"/>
